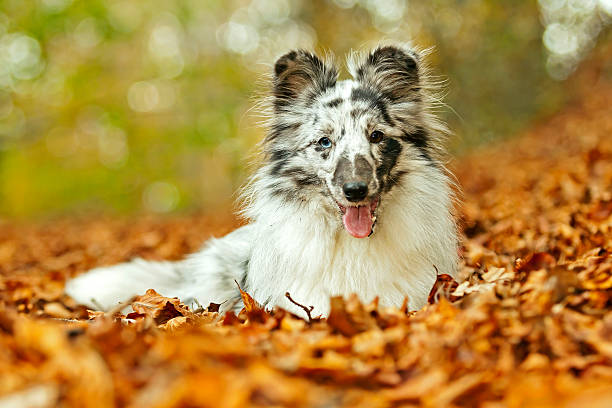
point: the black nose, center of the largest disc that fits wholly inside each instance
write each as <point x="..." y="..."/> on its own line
<point x="355" y="190"/>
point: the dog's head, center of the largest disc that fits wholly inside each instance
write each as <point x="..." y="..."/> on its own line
<point x="347" y="143"/>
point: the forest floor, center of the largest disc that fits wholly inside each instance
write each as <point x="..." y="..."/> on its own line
<point x="531" y="325"/>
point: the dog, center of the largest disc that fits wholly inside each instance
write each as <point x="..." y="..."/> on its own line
<point x="352" y="197"/>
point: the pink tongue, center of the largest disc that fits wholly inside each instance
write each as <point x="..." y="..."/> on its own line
<point x="358" y="221"/>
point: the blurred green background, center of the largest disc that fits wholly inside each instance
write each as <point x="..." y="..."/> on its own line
<point x="147" y="106"/>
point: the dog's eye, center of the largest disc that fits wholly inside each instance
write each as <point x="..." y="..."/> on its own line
<point x="325" y="143"/>
<point x="376" y="136"/>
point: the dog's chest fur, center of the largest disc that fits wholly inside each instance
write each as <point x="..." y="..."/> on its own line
<point x="296" y="250"/>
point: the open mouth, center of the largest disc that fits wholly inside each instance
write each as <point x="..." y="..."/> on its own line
<point x="359" y="220"/>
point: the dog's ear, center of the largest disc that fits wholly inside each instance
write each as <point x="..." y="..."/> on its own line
<point x="301" y="74"/>
<point x="394" y="71"/>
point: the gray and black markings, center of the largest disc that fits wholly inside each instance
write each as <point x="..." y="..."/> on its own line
<point x="390" y="150"/>
<point x="301" y="177"/>
<point x="334" y="103"/>
<point x="278" y="160"/>
<point x="300" y="75"/>
<point x="278" y="130"/>
<point x="418" y="139"/>
<point x="374" y="100"/>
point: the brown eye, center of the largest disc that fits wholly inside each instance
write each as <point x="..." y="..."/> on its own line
<point x="376" y="136"/>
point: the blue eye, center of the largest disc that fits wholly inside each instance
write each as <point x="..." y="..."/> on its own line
<point x="325" y="143"/>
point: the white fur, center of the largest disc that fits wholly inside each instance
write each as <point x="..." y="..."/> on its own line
<point x="313" y="260"/>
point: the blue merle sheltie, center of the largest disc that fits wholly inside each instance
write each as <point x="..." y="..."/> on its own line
<point x="352" y="197"/>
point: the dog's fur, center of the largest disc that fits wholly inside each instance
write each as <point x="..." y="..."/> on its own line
<point x="321" y="136"/>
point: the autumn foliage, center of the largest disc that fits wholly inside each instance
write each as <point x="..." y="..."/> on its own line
<point x="529" y="324"/>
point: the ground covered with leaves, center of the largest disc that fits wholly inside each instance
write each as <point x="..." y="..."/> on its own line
<point x="530" y="325"/>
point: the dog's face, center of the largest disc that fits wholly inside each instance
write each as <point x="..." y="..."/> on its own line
<point x="346" y="143"/>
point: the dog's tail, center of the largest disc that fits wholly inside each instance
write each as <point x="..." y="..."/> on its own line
<point x="209" y="275"/>
<point x="105" y="287"/>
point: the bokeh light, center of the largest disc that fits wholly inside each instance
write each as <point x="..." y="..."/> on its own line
<point x="571" y="28"/>
<point x="606" y="8"/>
<point x="151" y="96"/>
<point x="20" y="55"/>
<point x="160" y="197"/>
<point x="101" y="100"/>
<point x="55" y="6"/>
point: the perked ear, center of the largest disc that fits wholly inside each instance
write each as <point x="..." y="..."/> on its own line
<point x="394" y="71"/>
<point x="301" y="74"/>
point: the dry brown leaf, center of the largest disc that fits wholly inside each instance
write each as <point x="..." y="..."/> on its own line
<point x="159" y="308"/>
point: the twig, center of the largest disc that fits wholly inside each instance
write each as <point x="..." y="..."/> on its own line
<point x="70" y="320"/>
<point x="237" y="284"/>
<point x="200" y="307"/>
<point x="111" y="313"/>
<point x="305" y="308"/>
<point x="143" y="304"/>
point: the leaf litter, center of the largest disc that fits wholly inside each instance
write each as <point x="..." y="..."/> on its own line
<point x="529" y="323"/>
